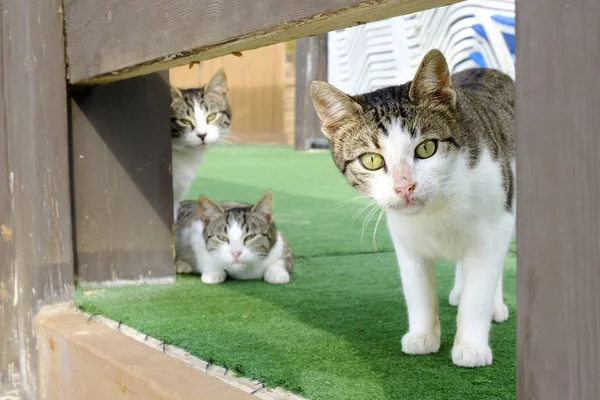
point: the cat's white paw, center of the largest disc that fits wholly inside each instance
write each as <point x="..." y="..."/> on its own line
<point x="277" y="276"/>
<point x="471" y="355"/>
<point x="420" y="343"/>
<point x="182" y="267"/>
<point x="454" y="297"/>
<point x="213" y="277"/>
<point x="500" y="312"/>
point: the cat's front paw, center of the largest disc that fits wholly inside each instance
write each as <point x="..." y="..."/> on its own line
<point x="420" y="343"/>
<point x="500" y="312"/>
<point x="277" y="276"/>
<point x="213" y="277"/>
<point x="454" y="297"/>
<point x="183" y="267"/>
<point x="471" y="355"/>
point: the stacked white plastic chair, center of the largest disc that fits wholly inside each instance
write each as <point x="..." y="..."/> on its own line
<point x="470" y="34"/>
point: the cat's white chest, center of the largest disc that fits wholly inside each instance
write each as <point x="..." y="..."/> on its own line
<point x="446" y="236"/>
<point x="185" y="165"/>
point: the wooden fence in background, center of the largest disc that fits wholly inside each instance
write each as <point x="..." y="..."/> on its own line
<point x="257" y="83"/>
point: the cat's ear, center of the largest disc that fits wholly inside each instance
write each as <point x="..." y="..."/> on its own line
<point x="432" y="81"/>
<point x="175" y="93"/>
<point x="218" y="84"/>
<point x="208" y="209"/>
<point x="265" y="205"/>
<point x="333" y="107"/>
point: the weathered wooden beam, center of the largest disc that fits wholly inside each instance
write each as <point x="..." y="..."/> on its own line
<point x="311" y="65"/>
<point x="82" y="359"/>
<point x="110" y="40"/>
<point x="36" y="254"/>
<point x="122" y="190"/>
<point x="558" y="186"/>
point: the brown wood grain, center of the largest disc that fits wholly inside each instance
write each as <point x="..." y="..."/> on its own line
<point x="122" y="190"/>
<point x="311" y="64"/>
<point x="109" y="40"/>
<point x="85" y="360"/>
<point x="558" y="186"/>
<point x="36" y="254"/>
<point x="10" y="346"/>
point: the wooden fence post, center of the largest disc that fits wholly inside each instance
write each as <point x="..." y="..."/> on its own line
<point x="36" y="254"/>
<point x="311" y="64"/>
<point x="558" y="186"/>
<point x="122" y="191"/>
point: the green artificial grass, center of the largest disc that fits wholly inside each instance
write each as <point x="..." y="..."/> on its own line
<point x="334" y="331"/>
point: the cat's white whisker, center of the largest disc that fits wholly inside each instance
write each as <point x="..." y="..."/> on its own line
<point x="344" y="203"/>
<point x="370" y="215"/>
<point x="360" y="211"/>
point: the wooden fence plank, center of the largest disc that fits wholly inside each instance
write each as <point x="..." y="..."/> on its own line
<point x="9" y="355"/>
<point x="36" y="254"/>
<point x="122" y="190"/>
<point x="558" y="186"/>
<point x="311" y="65"/>
<point x="86" y="360"/>
<point x="256" y="82"/>
<point x="109" y="40"/>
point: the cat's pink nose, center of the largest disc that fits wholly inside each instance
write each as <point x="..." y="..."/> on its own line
<point x="405" y="191"/>
<point x="236" y="255"/>
<point x="202" y="136"/>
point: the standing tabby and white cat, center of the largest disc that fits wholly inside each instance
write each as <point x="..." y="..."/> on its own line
<point x="199" y="118"/>
<point x="232" y="238"/>
<point x="438" y="155"/>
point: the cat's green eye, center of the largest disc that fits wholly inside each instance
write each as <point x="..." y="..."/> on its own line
<point x="250" y="237"/>
<point x="223" y="238"/>
<point x="186" y="122"/>
<point x="211" y="117"/>
<point x="372" y="161"/>
<point x="426" y="148"/>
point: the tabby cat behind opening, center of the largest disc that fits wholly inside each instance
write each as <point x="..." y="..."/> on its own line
<point x="438" y="155"/>
<point x="199" y="119"/>
<point x="232" y="238"/>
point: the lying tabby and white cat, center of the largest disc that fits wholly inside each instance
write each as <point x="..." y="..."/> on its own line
<point x="438" y="155"/>
<point x="199" y="119"/>
<point x="232" y="238"/>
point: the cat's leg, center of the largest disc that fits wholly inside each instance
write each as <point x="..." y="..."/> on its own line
<point x="175" y="210"/>
<point x="276" y="273"/>
<point x="211" y="271"/>
<point x="500" y="309"/>
<point x="213" y="275"/>
<point x="183" y="267"/>
<point x="204" y="263"/>
<point x="455" y="293"/>
<point x="481" y="270"/>
<point x="419" y="287"/>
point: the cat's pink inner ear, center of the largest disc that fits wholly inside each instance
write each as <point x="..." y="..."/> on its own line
<point x="208" y="209"/>
<point x="432" y="81"/>
<point x="332" y="106"/>
<point x="218" y="84"/>
<point x="265" y="206"/>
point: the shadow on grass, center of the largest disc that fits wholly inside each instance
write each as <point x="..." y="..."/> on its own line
<point x="365" y="309"/>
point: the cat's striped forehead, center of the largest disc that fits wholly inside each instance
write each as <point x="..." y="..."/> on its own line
<point x="387" y="115"/>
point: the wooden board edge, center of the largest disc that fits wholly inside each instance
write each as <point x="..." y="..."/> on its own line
<point x="362" y="13"/>
<point x="82" y="358"/>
